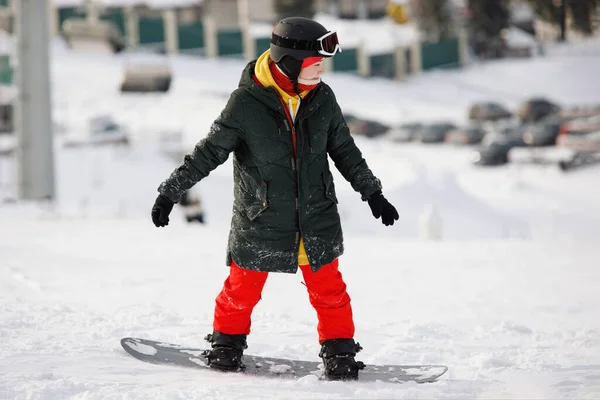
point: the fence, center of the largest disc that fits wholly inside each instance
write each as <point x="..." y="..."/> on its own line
<point x="151" y="31"/>
<point x="261" y="45"/>
<point x="200" y="36"/>
<point x="230" y="43"/>
<point x="346" y="61"/>
<point x="117" y="17"/>
<point x="191" y="36"/>
<point x="404" y="61"/>
<point x="6" y="70"/>
<point x="444" y="54"/>
<point x="65" y="13"/>
<point x="382" y="65"/>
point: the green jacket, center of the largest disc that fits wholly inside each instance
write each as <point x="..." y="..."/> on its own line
<point x="279" y="196"/>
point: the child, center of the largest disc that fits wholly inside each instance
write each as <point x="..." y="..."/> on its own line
<point x="281" y="124"/>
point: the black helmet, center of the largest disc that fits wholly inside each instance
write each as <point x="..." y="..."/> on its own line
<point x="299" y="38"/>
<point x="295" y="38"/>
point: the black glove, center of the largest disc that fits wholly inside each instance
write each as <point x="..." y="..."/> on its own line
<point x="382" y="208"/>
<point x="161" y="210"/>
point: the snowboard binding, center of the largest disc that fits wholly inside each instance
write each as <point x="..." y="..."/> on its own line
<point x="226" y="352"/>
<point x="338" y="359"/>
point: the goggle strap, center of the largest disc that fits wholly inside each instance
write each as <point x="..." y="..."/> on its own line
<point x="295" y="44"/>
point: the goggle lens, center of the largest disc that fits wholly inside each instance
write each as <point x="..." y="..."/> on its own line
<point x="329" y="43"/>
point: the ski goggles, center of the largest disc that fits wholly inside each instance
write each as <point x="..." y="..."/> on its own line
<point x="327" y="45"/>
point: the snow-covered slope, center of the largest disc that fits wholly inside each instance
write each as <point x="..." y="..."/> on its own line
<point x="507" y="298"/>
<point x="511" y="318"/>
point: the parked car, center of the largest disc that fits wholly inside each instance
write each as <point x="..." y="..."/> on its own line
<point x="405" y="132"/>
<point x="488" y="111"/>
<point x="146" y="78"/>
<point x="536" y="109"/>
<point x="8" y="143"/>
<point x="434" y="133"/>
<point x="586" y="142"/>
<point x="545" y="132"/>
<point x="495" y="146"/>
<point x="578" y="127"/>
<point x="364" y="127"/>
<point x="580" y="111"/>
<point x="466" y="135"/>
<point x="85" y="33"/>
<point x="580" y="160"/>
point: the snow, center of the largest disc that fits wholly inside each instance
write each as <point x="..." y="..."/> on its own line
<point x="279" y="368"/>
<point x="7" y="93"/>
<point x="516" y="37"/>
<point x="578" y="49"/>
<point x="260" y="29"/>
<point x="507" y="298"/>
<point x="6" y="43"/>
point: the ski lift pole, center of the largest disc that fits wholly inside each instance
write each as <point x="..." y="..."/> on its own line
<point x="33" y="122"/>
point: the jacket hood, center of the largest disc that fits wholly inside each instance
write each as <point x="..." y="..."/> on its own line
<point x="265" y="94"/>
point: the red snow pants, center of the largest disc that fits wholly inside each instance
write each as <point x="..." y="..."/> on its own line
<point x="326" y="290"/>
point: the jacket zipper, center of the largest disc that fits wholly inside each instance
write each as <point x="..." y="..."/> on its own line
<point x="292" y="122"/>
<point x="294" y="163"/>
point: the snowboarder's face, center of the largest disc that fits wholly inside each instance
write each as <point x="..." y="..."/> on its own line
<point x="312" y="72"/>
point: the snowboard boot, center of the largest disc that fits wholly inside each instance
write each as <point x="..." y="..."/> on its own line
<point x="338" y="359"/>
<point x="226" y="352"/>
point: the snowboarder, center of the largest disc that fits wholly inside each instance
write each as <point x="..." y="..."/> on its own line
<point x="281" y="124"/>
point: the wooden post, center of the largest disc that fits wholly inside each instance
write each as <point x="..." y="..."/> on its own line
<point x="328" y="64"/>
<point x="92" y="13"/>
<point x="362" y="10"/>
<point x="248" y="43"/>
<point x="132" y="28"/>
<point x="400" y="62"/>
<point x="210" y="37"/>
<point x="363" y="62"/>
<point x="416" y="58"/>
<point x="54" y="18"/>
<point x="463" y="48"/>
<point x="171" y="33"/>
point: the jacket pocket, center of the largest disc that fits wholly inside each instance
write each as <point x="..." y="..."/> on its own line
<point x="329" y="186"/>
<point x="259" y="203"/>
<point x="317" y="137"/>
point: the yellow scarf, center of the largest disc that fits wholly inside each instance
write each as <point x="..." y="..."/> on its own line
<point x="263" y="73"/>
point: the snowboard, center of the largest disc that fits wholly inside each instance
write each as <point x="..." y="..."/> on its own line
<point x="192" y="357"/>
